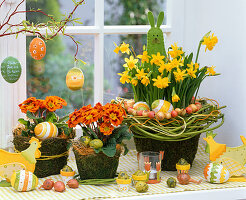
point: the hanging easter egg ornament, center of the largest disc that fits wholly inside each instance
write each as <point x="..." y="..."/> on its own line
<point x="11" y="69"/>
<point x="37" y="48"/>
<point x="37" y="68"/>
<point x="141" y="106"/>
<point x="75" y="79"/>
<point x="23" y="181"/>
<point x="216" y="173"/>
<point x="45" y="130"/>
<point x="161" y="106"/>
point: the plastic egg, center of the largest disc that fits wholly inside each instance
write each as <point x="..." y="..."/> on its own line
<point x="161" y="106"/>
<point x="216" y="173"/>
<point x="37" y="48"/>
<point x="141" y="106"/>
<point x="23" y="181"/>
<point x="45" y="130"/>
<point x="11" y="69"/>
<point x="75" y="79"/>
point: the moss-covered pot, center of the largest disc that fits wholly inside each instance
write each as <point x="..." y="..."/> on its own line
<point x="96" y="166"/>
<point x="173" y="151"/>
<point x="49" y="147"/>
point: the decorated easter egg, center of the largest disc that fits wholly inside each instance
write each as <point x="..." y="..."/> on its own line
<point x="141" y="106"/>
<point x="216" y="173"/>
<point x="37" y="48"/>
<point x="37" y="68"/>
<point x="161" y="105"/>
<point x="45" y="130"/>
<point x="11" y="69"/>
<point x="23" y="181"/>
<point x="75" y="79"/>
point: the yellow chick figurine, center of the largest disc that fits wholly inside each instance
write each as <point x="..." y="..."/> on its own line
<point x="232" y="158"/>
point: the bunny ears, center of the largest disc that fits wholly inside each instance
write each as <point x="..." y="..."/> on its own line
<point x="152" y="21"/>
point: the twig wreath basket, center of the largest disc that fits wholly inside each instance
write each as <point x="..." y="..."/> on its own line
<point x="166" y="114"/>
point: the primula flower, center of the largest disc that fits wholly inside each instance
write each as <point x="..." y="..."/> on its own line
<point x="210" y="71"/>
<point x="113" y="114"/>
<point x="117" y="49"/>
<point x="74" y="118"/>
<point x="131" y="63"/>
<point x="124" y="77"/>
<point x="179" y="75"/>
<point x="31" y="104"/>
<point x="210" y="42"/>
<point x="144" y="57"/>
<point x="106" y="128"/>
<point x="124" y="48"/>
<point x="145" y="80"/>
<point x="140" y="74"/>
<point x="134" y="82"/>
<point x="175" y="51"/>
<point x="161" y="82"/>
<point x="90" y="116"/>
<point x="157" y="59"/>
<point x="51" y="103"/>
<point x="175" y="98"/>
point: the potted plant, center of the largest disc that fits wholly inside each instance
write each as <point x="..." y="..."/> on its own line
<point x="166" y="114"/>
<point x="97" y="152"/>
<point x="41" y="118"/>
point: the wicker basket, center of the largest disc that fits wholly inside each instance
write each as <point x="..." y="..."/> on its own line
<point x="49" y="147"/>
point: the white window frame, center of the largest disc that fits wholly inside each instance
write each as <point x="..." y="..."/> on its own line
<point x="11" y="96"/>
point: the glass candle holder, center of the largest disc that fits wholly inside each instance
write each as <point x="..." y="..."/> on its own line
<point x="150" y="163"/>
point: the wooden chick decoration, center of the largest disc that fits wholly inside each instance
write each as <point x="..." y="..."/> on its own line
<point x="11" y="162"/>
<point x="232" y="158"/>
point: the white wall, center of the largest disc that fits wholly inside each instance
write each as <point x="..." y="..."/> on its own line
<point x="227" y="19"/>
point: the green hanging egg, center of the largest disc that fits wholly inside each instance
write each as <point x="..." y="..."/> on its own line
<point x="11" y="69"/>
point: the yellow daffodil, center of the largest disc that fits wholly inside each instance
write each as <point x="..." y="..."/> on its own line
<point x="117" y="49"/>
<point x="124" y="48"/>
<point x="161" y="82"/>
<point x="157" y="59"/>
<point x="134" y="82"/>
<point x="166" y="66"/>
<point x="131" y="63"/>
<point x="175" y="51"/>
<point x="196" y="66"/>
<point x="144" y="57"/>
<point x="211" y="71"/>
<point x="176" y="63"/>
<point x="179" y="75"/>
<point x="124" y="77"/>
<point x="140" y="74"/>
<point x="191" y="72"/>
<point x="145" y="80"/>
<point x="210" y="42"/>
<point x="175" y="98"/>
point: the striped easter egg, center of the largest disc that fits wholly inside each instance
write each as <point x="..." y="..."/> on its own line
<point x="216" y="173"/>
<point x="45" y="130"/>
<point x="24" y="181"/>
<point x="161" y="106"/>
<point x="141" y="106"/>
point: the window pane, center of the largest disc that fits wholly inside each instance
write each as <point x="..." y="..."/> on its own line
<point x="48" y="76"/>
<point x="57" y="8"/>
<point x="132" y="12"/>
<point x="113" y="63"/>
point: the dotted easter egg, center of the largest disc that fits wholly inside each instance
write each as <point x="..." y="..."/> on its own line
<point x="11" y="69"/>
<point x="45" y="130"/>
<point x="75" y="79"/>
<point x="37" y="48"/>
<point x="216" y="173"/>
<point x="23" y="181"/>
<point x="161" y="106"/>
<point x="141" y="106"/>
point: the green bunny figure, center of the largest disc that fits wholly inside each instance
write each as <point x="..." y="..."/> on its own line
<point x="155" y="41"/>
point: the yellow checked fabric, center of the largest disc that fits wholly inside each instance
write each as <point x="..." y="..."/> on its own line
<point x="128" y="163"/>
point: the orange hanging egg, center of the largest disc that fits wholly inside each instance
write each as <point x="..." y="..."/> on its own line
<point x="75" y="79"/>
<point x="37" y="48"/>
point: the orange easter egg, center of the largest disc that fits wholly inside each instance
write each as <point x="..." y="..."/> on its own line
<point x="75" y="79"/>
<point x="37" y="48"/>
<point x="45" y="130"/>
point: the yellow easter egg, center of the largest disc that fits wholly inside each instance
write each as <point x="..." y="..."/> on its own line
<point x="75" y="79"/>
<point x="141" y="106"/>
<point x="161" y="106"/>
<point x="23" y="181"/>
<point x="45" y="130"/>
